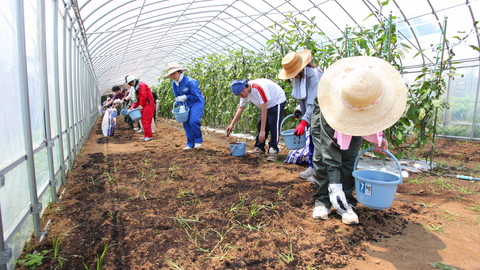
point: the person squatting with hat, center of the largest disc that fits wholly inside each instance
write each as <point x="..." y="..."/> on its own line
<point x="185" y="89"/>
<point x="358" y="97"/>
<point x="144" y="103"/>
<point x="268" y="96"/>
<point x="305" y="75"/>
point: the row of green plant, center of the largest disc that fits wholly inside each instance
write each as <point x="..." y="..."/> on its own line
<point x="245" y="213"/>
<point x="37" y="258"/>
<point x="425" y="98"/>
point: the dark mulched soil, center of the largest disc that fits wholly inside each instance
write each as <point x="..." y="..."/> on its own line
<point x="153" y="206"/>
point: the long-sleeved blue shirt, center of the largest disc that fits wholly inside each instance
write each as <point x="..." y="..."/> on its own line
<point x="189" y="87"/>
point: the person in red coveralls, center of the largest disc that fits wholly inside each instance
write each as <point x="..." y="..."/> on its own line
<point x="144" y="103"/>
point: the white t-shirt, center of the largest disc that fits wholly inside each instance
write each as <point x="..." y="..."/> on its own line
<point x="264" y="91"/>
<point x="130" y="93"/>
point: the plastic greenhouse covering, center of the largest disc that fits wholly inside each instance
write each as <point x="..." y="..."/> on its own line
<point x="59" y="57"/>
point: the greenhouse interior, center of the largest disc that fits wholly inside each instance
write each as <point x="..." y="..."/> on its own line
<point x="62" y="58"/>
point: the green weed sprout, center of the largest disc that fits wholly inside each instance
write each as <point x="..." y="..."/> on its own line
<point x="288" y="257"/>
<point x="34" y="260"/>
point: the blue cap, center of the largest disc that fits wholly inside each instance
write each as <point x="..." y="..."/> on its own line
<point x="238" y="85"/>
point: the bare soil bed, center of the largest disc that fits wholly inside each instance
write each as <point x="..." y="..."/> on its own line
<point x="129" y="204"/>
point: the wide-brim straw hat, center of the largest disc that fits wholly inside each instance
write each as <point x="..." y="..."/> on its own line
<point x="361" y="95"/>
<point x="293" y="63"/>
<point x="172" y="67"/>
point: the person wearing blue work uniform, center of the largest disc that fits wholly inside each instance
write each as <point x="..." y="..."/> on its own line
<point x="305" y="75"/>
<point x="185" y="89"/>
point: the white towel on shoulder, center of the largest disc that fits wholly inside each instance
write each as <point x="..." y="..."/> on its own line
<point x="300" y="86"/>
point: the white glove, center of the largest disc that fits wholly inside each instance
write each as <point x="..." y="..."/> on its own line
<point x="337" y="198"/>
<point x="181" y="98"/>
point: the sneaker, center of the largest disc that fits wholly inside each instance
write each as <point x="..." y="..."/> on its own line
<point x="321" y="212"/>
<point x="140" y="130"/>
<point x="187" y="148"/>
<point x="136" y="129"/>
<point x="272" y="154"/>
<point x="307" y="173"/>
<point x="198" y="145"/>
<point x="349" y="217"/>
<point x="311" y="179"/>
<point x="256" y="151"/>
<point x="148" y="139"/>
<point x="143" y="138"/>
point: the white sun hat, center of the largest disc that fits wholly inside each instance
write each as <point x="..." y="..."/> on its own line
<point x="172" y="67"/>
<point x="361" y="95"/>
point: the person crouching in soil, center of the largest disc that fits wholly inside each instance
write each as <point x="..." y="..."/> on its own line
<point x="145" y="104"/>
<point x="268" y="96"/>
<point x="358" y="97"/>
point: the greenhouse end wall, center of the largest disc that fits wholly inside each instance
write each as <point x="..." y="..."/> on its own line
<point x="51" y="109"/>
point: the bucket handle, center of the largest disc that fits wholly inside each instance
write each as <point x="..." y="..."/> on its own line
<point x="175" y="102"/>
<point x="281" y="125"/>
<point x="386" y="152"/>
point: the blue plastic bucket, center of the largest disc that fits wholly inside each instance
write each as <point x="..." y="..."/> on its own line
<point x="238" y="149"/>
<point x="292" y="141"/>
<point x="135" y="114"/>
<point x="124" y="112"/>
<point x="376" y="189"/>
<point x="180" y="116"/>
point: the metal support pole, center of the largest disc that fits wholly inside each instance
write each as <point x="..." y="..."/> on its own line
<point x="75" y="93"/>
<point x="71" y="92"/>
<point x="474" y="120"/>
<point x="80" y="95"/>
<point x="66" y="90"/>
<point x="445" y="112"/>
<point x="5" y="253"/>
<point x="86" y="111"/>
<point x="25" y="108"/>
<point x="44" y="85"/>
<point x="78" y="92"/>
<point x="86" y="101"/>
<point x="56" y="75"/>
